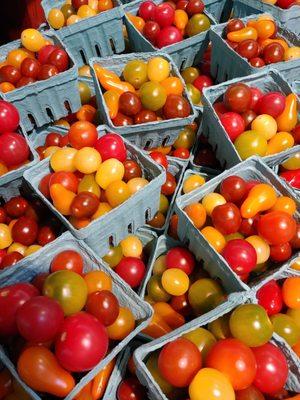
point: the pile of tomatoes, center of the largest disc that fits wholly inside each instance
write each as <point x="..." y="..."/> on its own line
<point x="14" y="150"/>
<point x="91" y="176"/>
<point x="232" y="357"/>
<point x="170" y="22"/>
<point x="290" y="169"/>
<point x="63" y="322"/>
<point x="248" y="223"/>
<point x="37" y="60"/>
<point x="148" y="92"/>
<point x="258" y="123"/>
<point x="76" y="10"/>
<point x="258" y="41"/>
<point x="24" y="229"/>
<point x="179" y="290"/>
<point x="285" y="4"/>
<point x="281" y="300"/>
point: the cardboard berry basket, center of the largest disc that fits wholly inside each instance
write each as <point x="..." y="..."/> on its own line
<point x="226" y="153"/>
<point x="40" y="263"/>
<point x="151" y="134"/>
<point x="142" y="353"/>
<point x="288" y="18"/>
<point x="227" y="64"/>
<point x="251" y="169"/>
<point x="185" y="53"/>
<point x="114" y="226"/>
<point x="98" y="36"/>
<point x="44" y="101"/>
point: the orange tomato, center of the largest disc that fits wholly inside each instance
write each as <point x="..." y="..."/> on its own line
<point x="3" y="169"/>
<point x="86" y="113"/>
<point x="265" y="28"/>
<point x="97" y="280"/>
<point x="62" y="198"/>
<point x="111" y="98"/>
<point x="173" y="225"/>
<point x="100" y="381"/>
<point x="181" y="19"/>
<point x="123" y="325"/>
<point x="172" y="84"/>
<point x="6" y="87"/>
<point x="197" y="213"/>
<point x="214" y="238"/>
<point x="104" y="5"/>
<point x="265" y="42"/>
<point x="287" y="121"/>
<point x="242" y="34"/>
<point x="138" y="22"/>
<point x="296" y="349"/>
<point x="291" y="292"/>
<point x="17" y="56"/>
<point x="286" y="204"/>
<point x="79" y="223"/>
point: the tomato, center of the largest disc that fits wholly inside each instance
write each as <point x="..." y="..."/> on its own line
<point x="176" y="107"/>
<point x="168" y="188"/>
<point x="111" y="146"/>
<point x="129" y="104"/>
<point x="238" y="97"/>
<point x="132" y="270"/>
<point x="30" y="68"/>
<point x="175" y="281"/>
<point x="240" y="255"/>
<point x="286" y="327"/>
<point x="66" y="179"/>
<point x="164" y="15"/>
<point x="14" y="149"/>
<point x="203" y="339"/>
<point x="291" y="292"/>
<point x="67" y="260"/>
<point x="145" y="116"/>
<point x="16" y="206"/>
<point x="39" y="369"/>
<point x="25" y="231"/>
<point x="6" y="383"/>
<point x="156" y="290"/>
<point x="158" y="69"/>
<point x="9" y="73"/>
<point x="273" y="53"/>
<point x="132" y="170"/>
<point x="181" y="153"/>
<point x="197" y="23"/>
<point x="270" y="297"/>
<point x="251" y="143"/>
<point x="131" y="388"/>
<point x="248" y="49"/>
<point x="135" y="72"/>
<point x="204" y="295"/>
<point x="226" y="218"/>
<point x="281" y="252"/>
<point x="272" y="103"/>
<point x="233" y="189"/>
<point x="60" y="59"/>
<point x="272" y="368"/>
<point x="251" y="393"/>
<point x="53" y="139"/>
<point x="45" y="52"/>
<point x="251" y="324"/>
<point x="45" y="235"/>
<point x="181" y="258"/>
<point x="234" y="24"/>
<point x="160" y="158"/>
<point x="277" y="227"/>
<point x="257" y="62"/>
<point x="12" y="297"/>
<point x="9" y="117"/>
<point x="84" y="205"/>
<point x="11" y="259"/>
<point x="68" y="288"/>
<point x="146" y="10"/>
<point x="47" y="71"/>
<point x="233" y="124"/>
<point x="82" y="344"/>
<point x="82" y="134"/>
<point x="235" y="360"/>
<point x="123" y="325"/>
<point x="104" y="306"/>
<point x="179" y="361"/>
<point x="210" y="384"/>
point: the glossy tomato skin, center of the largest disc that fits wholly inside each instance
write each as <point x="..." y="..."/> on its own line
<point x="84" y="205"/>
<point x="16" y="206"/>
<point x="145" y="116"/>
<point x="272" y="103"/>
<point x="45" y="52"/>
<point x="44" y="315"/>
<point x="176" y="107"/>
<point x="272" y="368"/>
<point x="11" y="259"/>
<point x="25" y="231"/>
<point x="104" y="306"/>
<point x="132" y="270"/>
<point x="47" y="71"/>
<point x="168" y="188"/>
<point x="130" y="104"/>
<point x="146" y="10"/>
<point x="251" y="393"/>
<point x="226" y="218"/>
<point x="14" y="149"/>
<point x="277" y="227"/>
<point x="131" y="389"/>
<point x="9" y="73"/>
<point x="270" y="297"/>
<point x="240" y="255"/>
<point x="233" y="189"/>
<point x="238" y="97"/>
<point x="30" y="68"/>
<point x="233" y="124"/>
<point x="151" y="30"/>
<point x="248" y="48"/>
<point x="111" y="146"/>
<point x="132" y="170"/>
<point x="60" y="59"/>
<point x="273" y="53"/>
<point x="160" y="158"/>
<point x="46" y="235"/>
<point x="67" y="179"/>
<point x="179" y="361"/>
<point x="234" y="24"/>
<point x="82" y="343"/>
<point x="181" y="258"/>
<point x="164" y="15"/>
<point x="82" y="134"/>
<point x="11" y="298"/>
<point x="68" y="259"/>
<point x="281" y="252"/>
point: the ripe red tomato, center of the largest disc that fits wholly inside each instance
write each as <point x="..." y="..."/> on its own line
<point x="132" y="170"/>
<point x="130" y="104"/>
<point x="168" y="188"/>
<point x="82" y="134"/>
<point x="270" y="297"/>
<point x="276" y="227"/>
<point x="257" y="62"/>
<point x="53" y="139"/>
<point x="176" y="107"/>
<point x="9" y="73"/>
<point x="14" y="149"/>
<point x="30" y="68"/>
<point x="66" y="179"/>
<point x="122" y="120"/>
<point x="160" y="158"/>
<point x="179" y="361"/>
<point x="131" y="389"/>
<point x="3" y="215"/>
<point x="284" y="3"/>
<point x="104" y="306"/>
<point x="84" y="205"/>
<point x="9" y="117"/>
<point x="240" y="255"/>
<point x="167" y="36"/>
<point x="220" y="108"/>
<point x="39" y="281"/>
<point x="272" y="103"/>
<point x="25" y="80"/>
<point x="44" y="185"/>
<point x="248" y="49"/>
<point x="146" y="10"/>
<point x="281" y="252"/>
<point x="25" y="231"/>
<point x="132" y="270"/>
<point x="111" y="145"/>
<point x="11" y="259"/>
<point x="164" y="15"/>
<point x="233" y="124"/>
<point x="151" y="30"/>
<point x="45" y="235"/>
<point x="47" y="71"/>
<point x="226" y="218"/>
<point x="82" y="344"/>
<point x="195" y="7"/>
<point x="238" y="97"/>
<point x="203" y="81"/>
<point x="181" y="153"/>
<point x="145" y="116"/>
<point x="181" y="258"/>
<point x="40" y="319"/>
<point x="233" y="189"/>
<point x="16" y="206"/>
<point x="248" y="117"/>
<point x="273" y="53"/>
<point x="235" y="360"/>
<point x="45" y="52"/>
<point x="234" y="24"/>
<point x="272" y="368"/>
<point x="68" y="259"/>
<point x="60" y="59"/>
<point x="11" y="298"/>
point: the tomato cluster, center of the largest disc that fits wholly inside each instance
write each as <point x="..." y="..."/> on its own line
<point x="179" y="290"/>
<point x="281" y="300"/>
<point x="76" y="10"/>
<point x="170" y="22"/>
<point x="248" y="224"/>
<point x="284" y="4"/>
<point x="229" y="359"/>
<point x="148" y="92"/>
<point x="37" y="60"/>
<point x="258" y="41"/>
<point x="290" y="169"/>
<point x="75" y="315"/>
<point x="92" y="176"/>
<point x="258" y="123"/>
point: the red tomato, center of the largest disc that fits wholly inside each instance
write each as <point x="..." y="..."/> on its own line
<point x="164" y="15"/>
<point x="82" y="344"/>
<point x="233" y="189"/>
<point x="53" y="139"/>
<point x="277" y="227"/>
<point x="248" y="49"/>
<point x="44" y="185"/>
<point x="104" y="306"/>
<point x="203" y="81"/>
<point x="132" y="270"/>
<point x="11" y="259"/>
<point x="181" y="258"/>
<point x="272" y="368"/>
<point x="167" y="36"/>
<point x="60" y="59"/>
<point x="251" y="393"/>
<point x="160" y="158"/>
<point x="11" y="298"/>
<point x="122" y="120"/>
<point x="233" y="124"/>
<point x="240" y="255"/>
<point x="238" y="97"/>
<point x="281" y="252"/>
<point x="273" y="53"/>
<point x="68" y="259"/>
<point x="45" y="235"/>
<point x="226" y="218"/>
<point x="257" y="62"/>
<point x="14" y="149"/>
<point x="25" y="80"/>
<point x="131" y="389"/>
<point x="16" y="206"/>
<point x="3" y="215"/>
<point x="270" y="297"/>
<point x="150" y="31"/>
<point x="9" y="73"/>
<point x="235" y="360"/>
<point x="272" y="103"/>
<point x="25" y="231"/>
<point x="45" y="52"/>
<point x="168" y="188"/>
<point x="181" y="153"/>
<point x="47" y="71"/>
<point x="111" y="145"/>
<point x="179" y="361"/>
<point x="146" y="10"/>
<point x="82" y="134"/>
<point x="66" y="179"/>
<point x="132" y="170"/>
<point x="30" y="68"/>
<point x="40" y="319"/>
<point x="129" y="104"/>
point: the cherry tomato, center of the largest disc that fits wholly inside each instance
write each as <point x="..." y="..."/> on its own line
<point x="226" y="218"/>
<point x="156" y="290"/>
<point x="251" y="393"/>
<point x="97" y="280"/>
<point x="129" y="104"/>
<point x="234" y="24"/>
<point x="14" y="149"/>
<point x="132" y="170"/>
<point x="160" y="158"/>
<point x="181" y="258"/>
<point x="82" y="344"/>
<point x="9" y="73"/>
<point x="84" y="205"/>
<point x="164" y="15"/>
<point x="233" y="189"/>
<point x="25" y="231"/>
<point x="132" y="270"/>
<point x="281" y="252"/>
<point x="181" y="153"/>
<point x="176" y="107"/>
<point x="270" y="297"/>
<point x="122" y="120"/>
<point x="45" y="52"/>
<point x="248" y="49"/>
<point x="146" y="10"/>
<point x="272" y="368"/>
<point x="277" y="227"/>
<point x="16" y="206"/>
<point x="82" y="134"/>
<point x="286" y="327"/>
<point x="145" y="116"/>
<point x="6" y="383"/>
<point x="45" y="235"/>
<point x="291" y="292"/>
<point x="257" y="62"/>
<point x="53" y="139"/>
<point x="209" y="384"/>
<point x="123" y="325"/>
<point x="233" y="124"/>
<point x="168" y="188"/>
<point x="179" y="361"/>
<point x="131" y="388"/>
<point x="111" y="146"/>
<point x="104" y="306"/>
<point x="238" y="98"/>
<point x="30" y="68"/>
<point x="67" y="179"/>
<point x="60" y="59"/>
<point x="67" y="260"/>
<point x="273" y="53"/>
<point x="175" y="281"/>
<point x="11" y="259"/>
<point x="204" y="295"/>
<point x="272" y="103"/>
<point x="240" y="255"/>
<point x="47" y="71"/>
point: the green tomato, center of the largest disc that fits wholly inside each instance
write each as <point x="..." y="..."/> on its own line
<point x="194" y="93"/>
<point x="68" y="288"/>
<point x="220" y="327"/>
<point x="251" y="143"/>
<point x="163" y="204"/>
<point x="189" y="74"/>
<point x="250" y="324"/>
<point x="186" y="138"/>
<point x="135" y="72"/>
<point x="286" y="327"/>
<point x="159" y="266"/>
<point x="295" y="314"/>
<point x="155" y="289"/>
<point x="114" y="256"/>
<point x="197" y="24"/>
<point x="204" y="295"/>
<point x="203" y="339"/>
<point x="153" y="96"/>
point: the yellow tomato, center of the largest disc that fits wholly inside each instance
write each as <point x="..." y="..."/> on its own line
<point x="109" y="171"/>
<point x="261" y="247"/>
<point x="158" y="69"/>
<point x="5" y="236"/>
<point x="63" y="160"/>
<point x="132" y="246"/>
<point x="87" y="160"/>
<point x="214" y="238"/>
<point x="265" y="124"/>
<point x="212" y="200"/>
<point x="56" y="18"/>
<point x="192" y="183"/>
<point x="175" y="281"/>
<point x="32" y="39"/>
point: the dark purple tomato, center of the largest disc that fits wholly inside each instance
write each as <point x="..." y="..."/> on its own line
<point x="164" y="15"/>
<point x="167" y="36"/>
<point x="248" y="49"/>
<point x="145" y="116"/>
<point x="151" y="30"/>
<point x="122" y="120"/>
<point x="176" y="107"/>
<point x="257" y="62"/>
<point x="226" y="218"/>
<point x="273" y="53"/>
<point x="238" y="97"/>
<point x="60" y="59"/>
<point x="234" y="25"/>
<point x="104" y="306"/>
<point x="248" y="117"/>
<point x="181" y="258"/>
<point x="233" y="189"/>
<point x="84" y="205"/>
<point x="9" y="73"/>
<point x="30" y="67"/>
<point x="25" y="231"/>
<point x="129" y="104"/>
<point x="240" y="255"/>
<point x="40" y="319"/>
<point x="11" y="259"/>
<point x="131" y="270"/>
<point x="146" y="10"/>
<point x="233" y="124"/>
<point x="16" y="206"/>
<point x="195" y="7"/>
<point x="47" y="71"/>
<point x="270" y="297"/>
<point x="132" y="170"/>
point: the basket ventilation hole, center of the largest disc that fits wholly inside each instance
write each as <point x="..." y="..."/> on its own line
<point x="83" y="56"/>
<point x="97" y="49"/>
<point x="67" y="106"/>
<point x="147" y="215"/>
<point x="112" y="45"/>
<point x="49" y="113"/>
<point x="111" y="241"/>
<point x="182" y="65"/>
<point x="166" y="140"/>
<point x="32" y="120"/>
<point x="130" y="228"/>
<point x="148" y="145"/>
